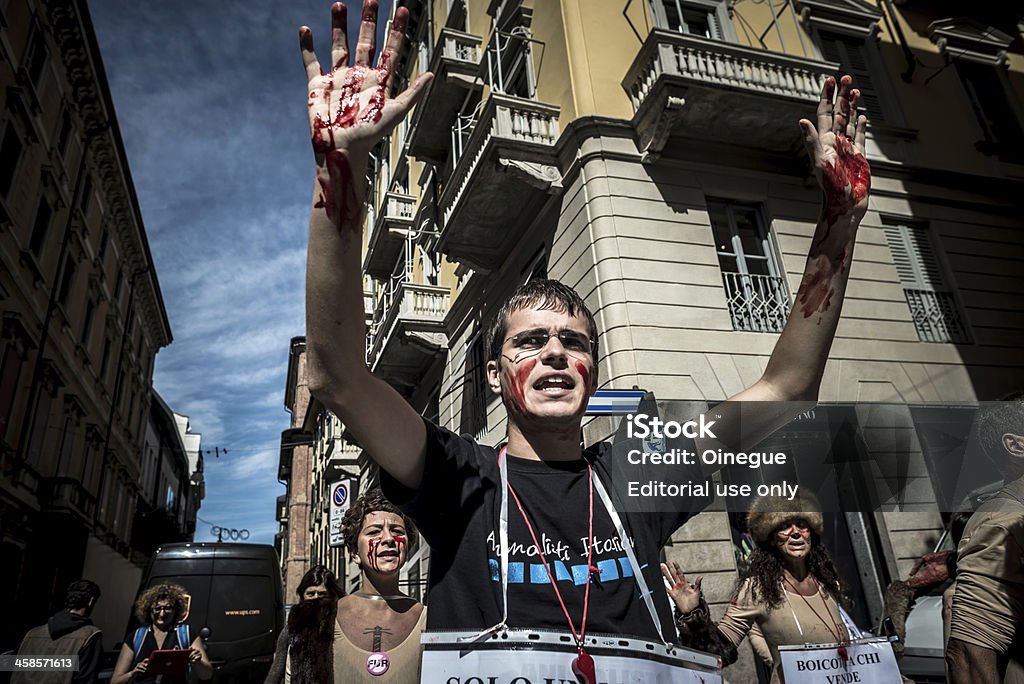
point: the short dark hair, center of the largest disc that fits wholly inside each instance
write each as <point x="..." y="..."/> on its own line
<point x="995" y="420"/>
<point x="549" y="294"/>
<point x="80" y="593"/>
<point x="317" y="575"/>
<point x="370" y="502"/>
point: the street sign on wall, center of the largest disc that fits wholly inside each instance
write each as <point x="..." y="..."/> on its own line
<point x="340" y="498"/>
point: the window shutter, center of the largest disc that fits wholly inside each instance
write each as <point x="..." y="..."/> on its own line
<point x="914" y="256"/>
<point x="715" y="24"/>
<point x="851" y="53"/>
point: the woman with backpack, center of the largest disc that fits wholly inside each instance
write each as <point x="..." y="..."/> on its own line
<point x="161" y="610"/>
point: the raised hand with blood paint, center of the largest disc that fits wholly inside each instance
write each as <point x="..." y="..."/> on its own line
<point x="349" y="107"/>
<point x="836" y="149"/>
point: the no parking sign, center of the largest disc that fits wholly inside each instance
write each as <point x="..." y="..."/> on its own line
<point x="340" y="493"/>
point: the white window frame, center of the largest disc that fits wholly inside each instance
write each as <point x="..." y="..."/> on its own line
<point x="718" y="17"/>
<point x="744" y="320"/>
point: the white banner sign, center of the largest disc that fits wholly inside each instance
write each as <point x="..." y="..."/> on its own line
<point x="867" y="661"/>
<point x="520" y="662"/>
<point x="341" y="494"/>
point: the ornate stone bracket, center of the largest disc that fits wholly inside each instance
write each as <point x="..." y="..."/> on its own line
<point x="653" y="134"/>
<point x="544" y="177"/>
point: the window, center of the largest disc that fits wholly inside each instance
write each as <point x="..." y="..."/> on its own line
<point x="852" y="54"/>
<point x="67" y="280"/>
<point x="10" y="369"/>
<point x="87" y="319"/>
<point x="67" y="442"/>
<point x="509" y="63"/>
<point x="457" y="15"/>
<point x="64" y="133"/>
<point x="101" y="251"/>
<point x="693" y="17"/>
<point x="978" y="53"/>
<point x="38" y="434"/>
<point x="10" y="155"/>
<point x="105" y="358"/>
<point x="35" y="57"/>
<point x="933" y="305"/>
<point x="41" y="226"/>
<point x="86" y="199"/>
<point x="475" y="390"/>
<point x="990" y="101"/>
<point x="754" y="286"/>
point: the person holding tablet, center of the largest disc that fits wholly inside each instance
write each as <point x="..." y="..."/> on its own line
<point x="145" y="660"/>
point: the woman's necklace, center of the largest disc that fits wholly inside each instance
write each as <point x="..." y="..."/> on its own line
<point x="381" y="597"/>
<point x="837" y="633"/>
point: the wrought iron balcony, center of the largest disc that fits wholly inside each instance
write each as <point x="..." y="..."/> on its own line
<point x="936" y="316"/>
<point x="387" y="237"/>
<point x="708" y="89"/>
<point x="503" y="165"/>
<point x="456" y="65"/>
<point x="407" y="332"/>
<point x="66" y="494"/>
<point x="757" y="303"/>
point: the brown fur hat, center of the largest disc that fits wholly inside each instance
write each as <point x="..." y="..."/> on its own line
<point x="768" y="513"/>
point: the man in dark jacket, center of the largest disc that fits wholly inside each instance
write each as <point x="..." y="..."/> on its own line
<point x="69" y="632"/>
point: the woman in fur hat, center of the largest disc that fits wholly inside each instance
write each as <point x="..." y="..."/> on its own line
<point x="791" y="589"/>
<point x="372" y="634"/>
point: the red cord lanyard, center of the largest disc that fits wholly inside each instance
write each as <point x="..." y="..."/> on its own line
<point x="583" y="664"/>
<point x="590" y="563"/>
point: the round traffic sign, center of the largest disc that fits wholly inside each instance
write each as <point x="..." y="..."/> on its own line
<point x="340" y="495"/>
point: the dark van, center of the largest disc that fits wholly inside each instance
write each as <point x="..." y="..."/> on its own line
<point x="236" y="602"/>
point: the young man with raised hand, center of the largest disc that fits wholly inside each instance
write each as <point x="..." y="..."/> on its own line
<point x="563" y="558"/>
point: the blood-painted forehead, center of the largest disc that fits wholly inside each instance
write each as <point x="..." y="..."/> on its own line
<point x="381" y="519"/>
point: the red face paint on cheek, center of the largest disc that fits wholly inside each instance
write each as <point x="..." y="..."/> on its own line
<point x="400" y="540"/>
<point x="584" y="371"/>
<point x="516" y="381"/>
<point x="371" y="552"/>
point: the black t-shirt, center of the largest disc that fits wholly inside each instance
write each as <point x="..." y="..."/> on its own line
<point x="457" y="509"/>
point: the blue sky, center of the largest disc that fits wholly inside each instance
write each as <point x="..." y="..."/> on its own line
<point x="210" y="99"/>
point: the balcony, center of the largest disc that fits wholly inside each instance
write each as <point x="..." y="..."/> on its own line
<point x="936" y="316"/>
<point x="407" y="333"/>
<point x="455" y="64"/>
<point x="388" y="235"/>
<point x="757" y="303"/>
<point x="503" y="168"/>
<point x="707" y="89"/>
<point x="65" y="494"/>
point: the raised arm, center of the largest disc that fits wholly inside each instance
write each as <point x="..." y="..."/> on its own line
<point x="350" y="111"/>
<point x="835" y="145"/>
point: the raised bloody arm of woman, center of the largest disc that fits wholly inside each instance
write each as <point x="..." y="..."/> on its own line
<point x="835" y="145"/>
<point x="350" y="111"/>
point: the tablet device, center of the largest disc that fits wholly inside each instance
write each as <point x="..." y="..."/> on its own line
<point x="172" y="662"/>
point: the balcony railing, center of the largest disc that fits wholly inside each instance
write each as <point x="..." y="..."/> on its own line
<point x="711" y="87"/>
<point x="415" y="306"/>
<point x="936" y="316"/>
<point x="66" y="494"/>
<point x="394" y="221"/>
<point x="502" y="161"/>
<point x="757" y="303"/>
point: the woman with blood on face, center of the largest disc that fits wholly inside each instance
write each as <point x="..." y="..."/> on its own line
<point x="348" y="640"/>
<point x="791" y="589"/>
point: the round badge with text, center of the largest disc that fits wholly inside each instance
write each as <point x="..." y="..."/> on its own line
<point x="377" y="663"/>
